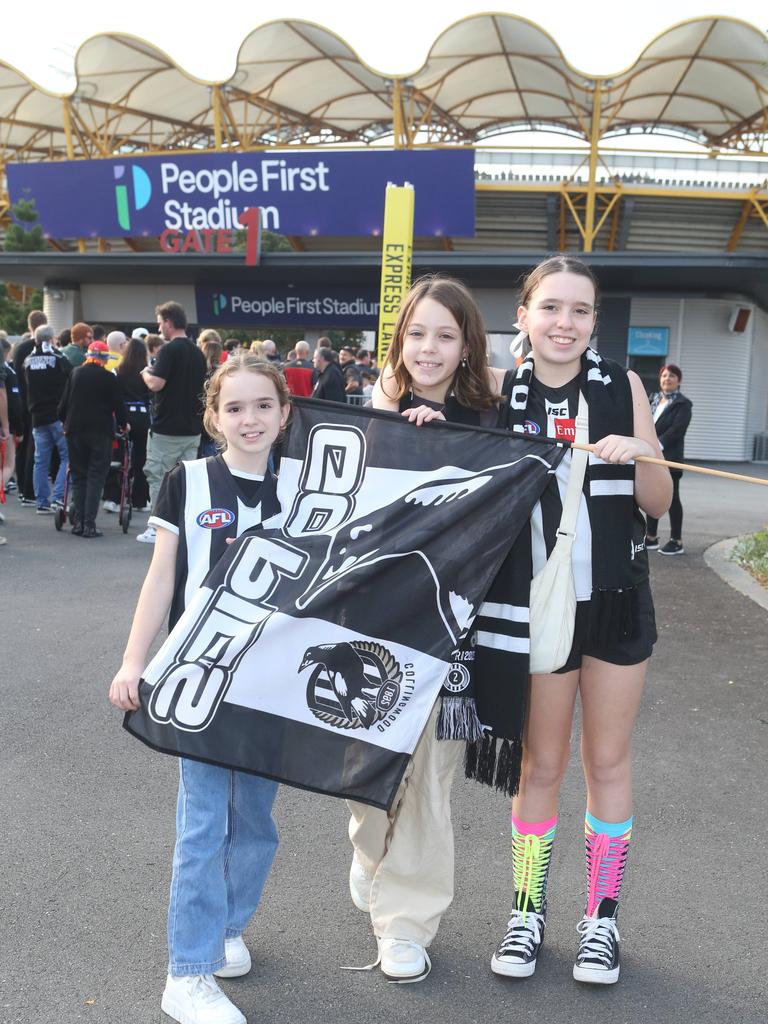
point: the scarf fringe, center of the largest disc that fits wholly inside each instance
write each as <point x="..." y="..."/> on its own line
<point x="500" y="770"/>
<point x="613" y="616"/>
<point x="458" y="720"/>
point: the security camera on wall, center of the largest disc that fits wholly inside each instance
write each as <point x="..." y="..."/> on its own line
<point x="739" y="319"/>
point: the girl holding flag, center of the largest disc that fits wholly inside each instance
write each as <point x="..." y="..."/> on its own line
<point x="225" y="836"/>
<point x="614" y="628"/>
<point x="402" y="869"/>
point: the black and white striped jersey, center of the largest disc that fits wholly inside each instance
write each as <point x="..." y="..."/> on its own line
<point x="551" y="412"/>
<point x="204" y="502"/>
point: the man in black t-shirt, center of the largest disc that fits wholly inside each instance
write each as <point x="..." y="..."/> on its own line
<point x="176" y="381"/>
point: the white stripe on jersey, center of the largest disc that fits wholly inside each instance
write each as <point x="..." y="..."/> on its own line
<point x="511" y="612"/>
<point x="247" y="517"/>
<point x="156" y="521"/>
<point x="501" y="642"/>
<point x="595" y="461"/>
<point x="581" y="554"/>
<point x="607" y="488"/>
<point x="198" y="499"/>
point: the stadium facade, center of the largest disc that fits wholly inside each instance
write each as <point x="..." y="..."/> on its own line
<point x="657" y="174"/>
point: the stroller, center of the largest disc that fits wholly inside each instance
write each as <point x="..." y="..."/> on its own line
<point x="119" y="462"/>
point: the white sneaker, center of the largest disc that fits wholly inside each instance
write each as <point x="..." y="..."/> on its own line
<point x="598" y="959"/>
<point x="238" y="959"/>
<point x="516" y="954"/>
<point x="197" y="999"/>
<point x="148" y="537"/>
<point x="360" y="886"/>
<point x="403" y="958"/>
<point x="110" y="506"/>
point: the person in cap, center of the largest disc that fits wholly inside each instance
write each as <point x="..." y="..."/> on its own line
<point x="91" y="404"/>
<point x="140" y="333"/>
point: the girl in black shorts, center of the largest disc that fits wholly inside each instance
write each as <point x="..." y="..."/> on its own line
<point x="615" y="628"/>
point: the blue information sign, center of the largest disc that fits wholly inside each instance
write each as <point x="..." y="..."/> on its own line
<point x="300" y="193"/>
<point x="648" y="341"/>
<point x="280" y="306"/>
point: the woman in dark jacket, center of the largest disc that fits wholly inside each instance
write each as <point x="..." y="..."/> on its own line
<point x="671" y="415"/>
<point x="136" y="397"/>
<point x="89" y="408"/>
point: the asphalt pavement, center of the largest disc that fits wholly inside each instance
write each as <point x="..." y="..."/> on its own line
<point x="88" y="817"/>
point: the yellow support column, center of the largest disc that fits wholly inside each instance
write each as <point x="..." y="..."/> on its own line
<point x="741" y="223"/>
<point x="396" y="257"/>
<point x="402" y="137"/>
<point x="761" y="210"/>
<point x="217" y="133"/>
<point x="594" y="138"/>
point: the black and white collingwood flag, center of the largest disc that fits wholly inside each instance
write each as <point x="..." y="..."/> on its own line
<point x="316" y="648"/>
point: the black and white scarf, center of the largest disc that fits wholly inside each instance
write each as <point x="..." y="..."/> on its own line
<point x="656" y="397"/>
<point x="500" y="637"/>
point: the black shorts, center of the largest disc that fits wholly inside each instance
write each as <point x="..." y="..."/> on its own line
<point x="623" y="652"/>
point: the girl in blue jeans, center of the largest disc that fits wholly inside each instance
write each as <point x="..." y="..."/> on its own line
<point x="225" y="836"/>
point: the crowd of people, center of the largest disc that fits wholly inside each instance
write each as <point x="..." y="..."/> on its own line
<point x="59" y="413"/>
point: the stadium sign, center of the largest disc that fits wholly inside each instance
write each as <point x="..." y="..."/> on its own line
<point x="299" y="193"/>
<point x="283" y="306"/>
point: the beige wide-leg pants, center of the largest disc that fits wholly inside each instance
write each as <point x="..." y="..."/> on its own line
<point x="408" y="851"/>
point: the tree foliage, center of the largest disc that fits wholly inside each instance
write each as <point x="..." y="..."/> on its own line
<point x="13" y="314"/>
<point x="25" y="234"/>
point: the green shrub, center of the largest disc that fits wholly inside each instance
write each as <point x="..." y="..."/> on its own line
<point x="752" y="553"/>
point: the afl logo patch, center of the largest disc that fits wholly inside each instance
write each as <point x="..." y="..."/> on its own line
<point x="215" y="518"/>
<point x="531" y="428"/>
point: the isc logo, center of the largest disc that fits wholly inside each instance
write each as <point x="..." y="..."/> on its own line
<point x="215" y="518"/>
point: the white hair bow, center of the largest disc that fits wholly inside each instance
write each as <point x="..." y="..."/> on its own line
<point x="520" y="344"/>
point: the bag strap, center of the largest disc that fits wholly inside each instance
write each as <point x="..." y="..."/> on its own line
<point x="579" y="460"/>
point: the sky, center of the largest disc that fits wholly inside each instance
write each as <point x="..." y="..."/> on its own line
<point x="204" y="38"/>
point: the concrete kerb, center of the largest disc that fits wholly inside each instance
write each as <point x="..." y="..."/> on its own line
<point x="718" y="558"/>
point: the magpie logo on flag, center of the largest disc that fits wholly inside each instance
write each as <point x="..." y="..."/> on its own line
<point x="353" y="685"/>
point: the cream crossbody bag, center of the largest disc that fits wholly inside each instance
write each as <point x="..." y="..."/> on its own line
<point x="553" y="594"/>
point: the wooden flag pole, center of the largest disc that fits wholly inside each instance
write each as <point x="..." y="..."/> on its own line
<point x="686" y="466"/>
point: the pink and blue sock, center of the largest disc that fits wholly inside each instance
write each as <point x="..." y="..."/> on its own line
<point x="607" y="846"/>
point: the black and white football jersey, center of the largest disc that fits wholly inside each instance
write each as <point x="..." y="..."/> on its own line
<point x="204" y="502"/>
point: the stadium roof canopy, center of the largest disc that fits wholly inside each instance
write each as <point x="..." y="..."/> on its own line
<point x="298" y="83"/>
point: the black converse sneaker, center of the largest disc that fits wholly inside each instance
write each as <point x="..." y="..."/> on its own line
<point x="598" y="958"/>
<point x="516" y="954"/>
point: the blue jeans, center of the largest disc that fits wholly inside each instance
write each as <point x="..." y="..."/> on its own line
<point x="46" y="439"/>
<point x="225" y="843"/>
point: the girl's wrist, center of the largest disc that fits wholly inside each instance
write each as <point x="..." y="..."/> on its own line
<point x="131" y="661"/>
